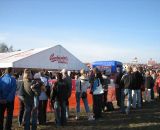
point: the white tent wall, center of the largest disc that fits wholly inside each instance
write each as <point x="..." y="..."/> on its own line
<point x="4" y="65"/>
<point x="55" y="57"/>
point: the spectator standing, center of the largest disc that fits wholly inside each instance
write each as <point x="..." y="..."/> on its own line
<point x="127" y="83"/>
<point x="21" y="101"/>
<point x="29" y="90"/>
<point x="153" y="74"/>
<point x="136" y="89"/>
<point x="157" y="83"/>
<point x="118" y="77"/>
<point x="106" y="81"/>
<point x="59" y="95"/>
<point x="82" y="84"/>
<point x="149" y="84"/>
<point x="97" y="91"/>
<point x="68" y="81"/>
<point x="43" y="99"/>
<point x="7" y="96"/>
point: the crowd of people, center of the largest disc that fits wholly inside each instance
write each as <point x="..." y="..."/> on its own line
<point x="34" y="89"/>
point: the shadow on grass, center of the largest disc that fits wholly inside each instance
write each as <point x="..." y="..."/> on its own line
<point x="147" y="118"/>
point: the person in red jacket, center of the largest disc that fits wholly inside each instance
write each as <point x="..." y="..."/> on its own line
<point x="157" y="83"/>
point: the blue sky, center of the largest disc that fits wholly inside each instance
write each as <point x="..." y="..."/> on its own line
<point x="90" y="29"/>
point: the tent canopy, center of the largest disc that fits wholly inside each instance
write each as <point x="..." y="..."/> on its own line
<point x="107" y="65"/>
<point x="51" y="58"/>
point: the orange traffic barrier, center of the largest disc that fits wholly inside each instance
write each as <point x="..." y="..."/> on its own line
<point x="111" y="96"/>
<point x="72" y="99"/>
<point x="72" y="103"/>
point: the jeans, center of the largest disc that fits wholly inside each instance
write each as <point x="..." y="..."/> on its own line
<point x="30" y="111"/>
<point x="118" y="96"/>
<point x="36" y="101"/>
<point x="97" y="105"/>
<point x="67" y="108"/>
<point x="136" y="94"/>
<point x="152" y="93"/>
<point x="85" y="102"/>
<point x="10" y="107"/>
<point x="148" y="95"/>
<point x="124" y="93"/>
<point x="42" y="109"/>
<point x="21" y="112"/>
<point x="60" y="112"/>
<point x="104" y="100"/>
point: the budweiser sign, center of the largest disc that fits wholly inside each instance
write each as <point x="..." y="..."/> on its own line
<point x="59" y="59"/>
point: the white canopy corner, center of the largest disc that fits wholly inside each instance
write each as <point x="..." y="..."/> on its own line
<point x="56" y="57"/>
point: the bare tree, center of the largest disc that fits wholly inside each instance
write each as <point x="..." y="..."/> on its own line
<point x="10" y="49"/>
<point x="5" y="48"/>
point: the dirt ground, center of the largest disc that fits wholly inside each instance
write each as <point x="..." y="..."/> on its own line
<point x="147" y="118"/>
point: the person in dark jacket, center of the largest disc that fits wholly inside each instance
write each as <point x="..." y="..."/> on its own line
<point x="106" y="81"/>
<point x="136" y="89"/>
<point x="59" y="95"/>
<point x="118" y="75"/>
<point x="149" y="84"/>
<point x="127" y="83"/>
<point x="68" y="81"/>
<point x="7" y="96"/>
<point x="153" y="74"/>
<point x="21" y="101"/>
<point x="43" y="99"/>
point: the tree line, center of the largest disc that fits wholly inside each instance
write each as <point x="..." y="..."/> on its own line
<point x="5" y="48"/>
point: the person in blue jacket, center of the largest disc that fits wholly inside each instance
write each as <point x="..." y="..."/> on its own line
<point x="7" y="96"/>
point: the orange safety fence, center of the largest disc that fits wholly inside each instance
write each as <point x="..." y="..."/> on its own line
<point x="111" y="96"/>
<point x="72" y="99"/>
<point x="72" y="103"/>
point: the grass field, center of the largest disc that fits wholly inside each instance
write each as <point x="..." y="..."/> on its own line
<point x="147" y="118"/>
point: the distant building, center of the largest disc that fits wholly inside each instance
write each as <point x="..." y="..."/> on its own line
<point x="151" y="62"/>
<point x="135" y="60"/>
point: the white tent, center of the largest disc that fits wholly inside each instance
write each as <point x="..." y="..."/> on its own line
<point x="51" y="58"/>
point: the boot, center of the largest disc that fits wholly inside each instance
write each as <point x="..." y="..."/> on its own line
<point x="90" y="117"/>
<point x="67" y="112"/>
<point x="77" y="116"/>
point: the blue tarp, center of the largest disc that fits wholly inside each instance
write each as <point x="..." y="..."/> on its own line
<point x="112" y="64"/>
